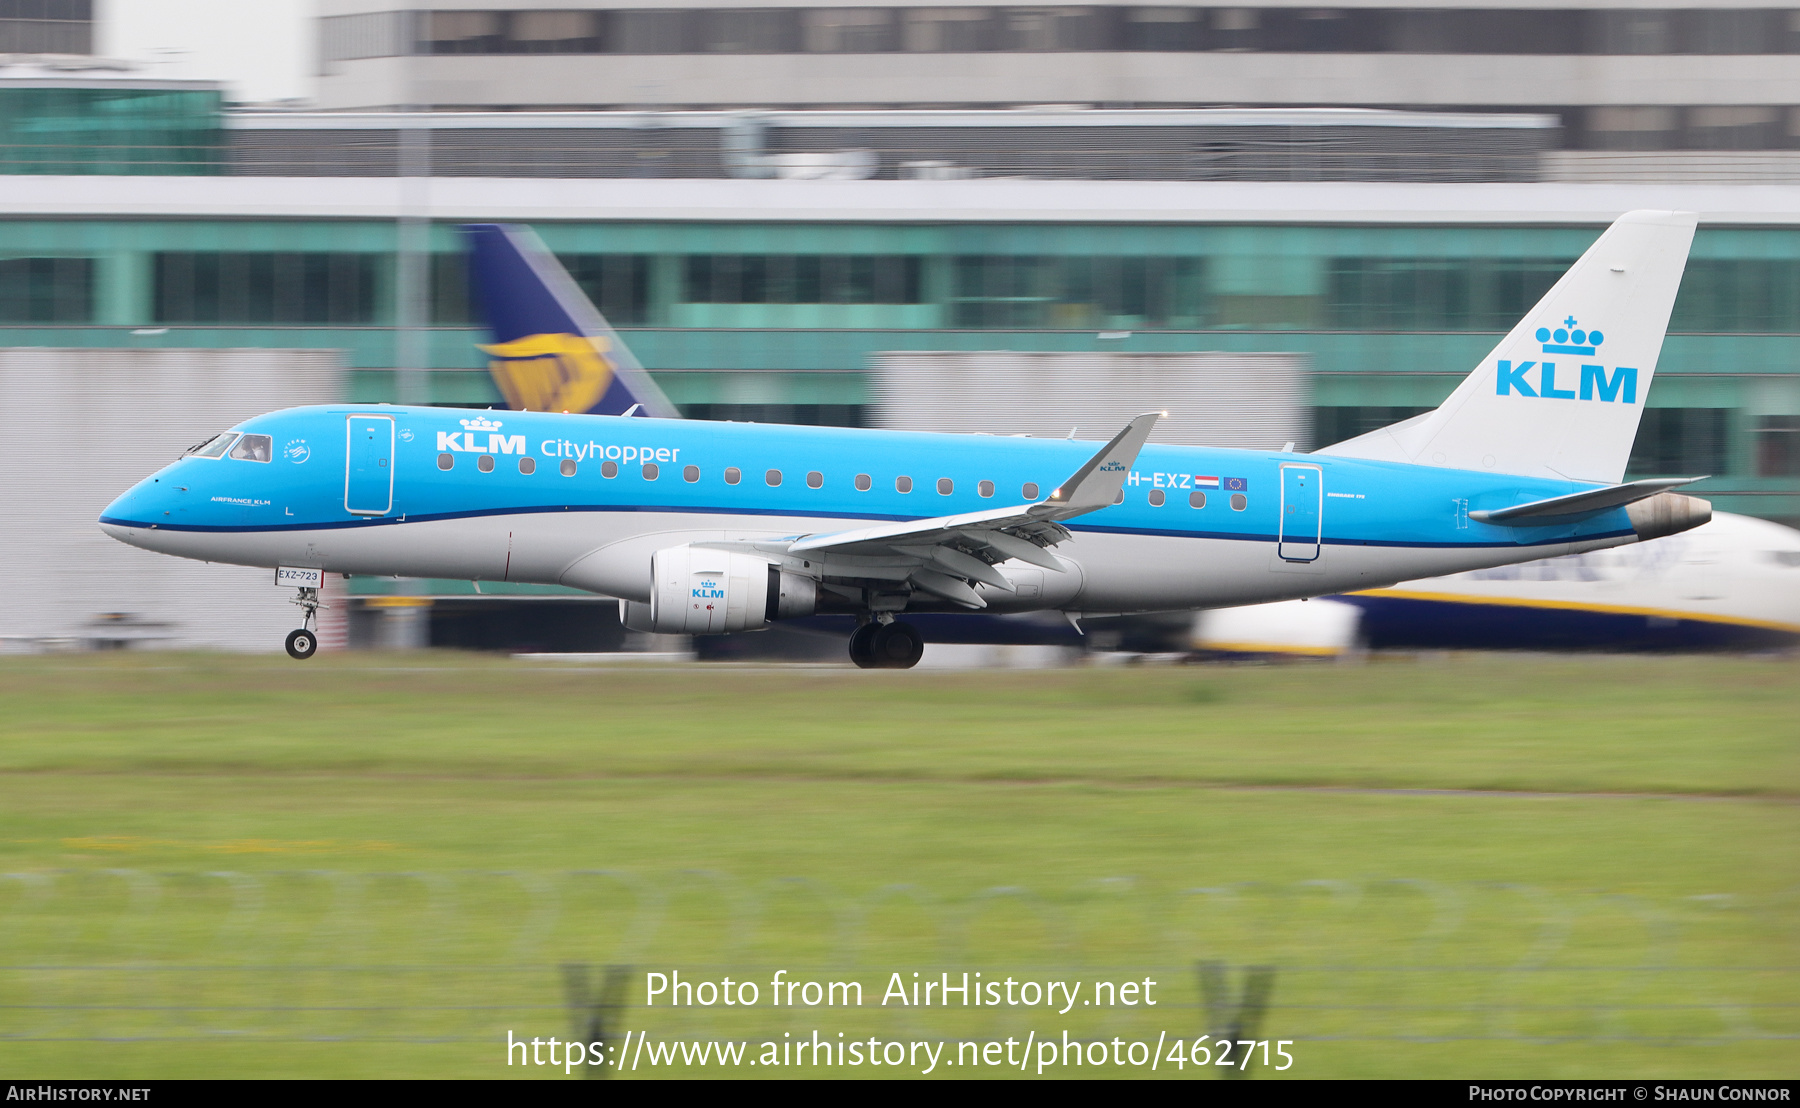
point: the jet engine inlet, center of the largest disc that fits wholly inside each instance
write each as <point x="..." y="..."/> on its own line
<point x="698" y="591"/>
<point x="1667" y="513"/>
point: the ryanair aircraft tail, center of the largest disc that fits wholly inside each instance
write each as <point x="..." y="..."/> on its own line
<point x="552" y="349"/>
<point x="1561" y="395"/>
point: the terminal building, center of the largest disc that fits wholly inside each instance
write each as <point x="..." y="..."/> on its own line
<point x="774" y="255"/>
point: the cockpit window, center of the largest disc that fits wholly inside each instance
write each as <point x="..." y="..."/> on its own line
<point x="253" y="448"/>
<point x="214" y="447"/>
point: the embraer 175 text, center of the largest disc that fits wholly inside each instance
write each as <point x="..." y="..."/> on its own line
<point x="707" y="528"/>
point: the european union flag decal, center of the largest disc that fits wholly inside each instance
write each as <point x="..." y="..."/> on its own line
<point x="1236" y="484"/>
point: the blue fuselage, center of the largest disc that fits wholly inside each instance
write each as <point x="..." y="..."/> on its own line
<point x="526" y="496"/>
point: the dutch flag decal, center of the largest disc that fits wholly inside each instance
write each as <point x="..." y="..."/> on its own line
<point x="1205" y="482"/>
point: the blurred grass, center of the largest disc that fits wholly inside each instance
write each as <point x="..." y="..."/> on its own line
<point x="1611" y="725"/>
<point x="1582" y="781"/>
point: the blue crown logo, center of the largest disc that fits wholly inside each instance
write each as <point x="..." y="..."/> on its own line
<point x="1569" y="339"/>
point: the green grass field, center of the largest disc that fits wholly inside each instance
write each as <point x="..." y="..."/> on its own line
<point x="376" y="865"/>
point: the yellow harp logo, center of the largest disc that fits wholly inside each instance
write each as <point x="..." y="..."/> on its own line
<point x="551" y="373"/>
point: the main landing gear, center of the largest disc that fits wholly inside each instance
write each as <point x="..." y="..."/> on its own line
<point x="304" y="643"/>
<point x="892" y="645"/>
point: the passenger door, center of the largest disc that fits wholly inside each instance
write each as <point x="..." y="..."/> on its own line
<point x="1302" y="500"/>
<point x="369" y="465"/>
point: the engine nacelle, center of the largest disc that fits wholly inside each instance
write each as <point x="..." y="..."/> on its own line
<point x="698" y="591"/>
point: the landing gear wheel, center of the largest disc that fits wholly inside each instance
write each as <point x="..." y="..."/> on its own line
<point x="862" y="645"/>
<point x="898" y="645"/>
<point x="304" y="643"/>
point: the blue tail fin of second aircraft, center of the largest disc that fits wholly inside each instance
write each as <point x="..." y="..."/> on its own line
<point x="552" y="350"/>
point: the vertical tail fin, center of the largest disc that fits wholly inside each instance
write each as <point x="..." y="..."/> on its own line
<point x="552" y="349"/>
<point x="1561" y="395"/>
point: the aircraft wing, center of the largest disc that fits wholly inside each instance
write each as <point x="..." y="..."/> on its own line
<point x="948" y="555"/>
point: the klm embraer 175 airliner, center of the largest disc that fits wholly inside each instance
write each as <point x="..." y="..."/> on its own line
<point x="708" y="528"/>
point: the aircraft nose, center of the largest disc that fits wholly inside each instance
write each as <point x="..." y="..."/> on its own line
<point x="134" y="512"/>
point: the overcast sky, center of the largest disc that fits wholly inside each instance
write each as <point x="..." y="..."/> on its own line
<point x="263" y="49"/>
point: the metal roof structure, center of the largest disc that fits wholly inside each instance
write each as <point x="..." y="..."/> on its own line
<point x="899" y="202"/>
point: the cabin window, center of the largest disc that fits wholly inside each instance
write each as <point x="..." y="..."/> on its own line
<point x="1156" y="498"/>
<point x="733" y="475"/>
<point x="650" y="471"/>
<point x="903" y="484"/>
<point x="1239" y="502"/>
<point x="946" y="486"/>
<point x="213" y="447"/>
<point x="485" y="463"/>
<point x="445" y="461"/>
<point x="1196" y="499"/>
<point x="773" y="477"/>
<point x="691" y="474"/>
<point x="815" y="480"/>
<point x="863" y="483"/>
<point x="568" y="467"/>
<point x="253" y="448"/>
<point x="608" y="470"/>
<point x="527" y="465"/>
<point x="1120" y="498"/>
<point x="985" y="488"/>
<point x="1030" y="490"/>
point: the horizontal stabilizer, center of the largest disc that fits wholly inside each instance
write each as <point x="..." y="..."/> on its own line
<point x="1539" y="513"/>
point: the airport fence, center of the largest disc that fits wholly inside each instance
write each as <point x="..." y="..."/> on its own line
<point x="299" y="956"/>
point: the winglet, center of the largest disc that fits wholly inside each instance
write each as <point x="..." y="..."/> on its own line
<point x="1097" y="484"/>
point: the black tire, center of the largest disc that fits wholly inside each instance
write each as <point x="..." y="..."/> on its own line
<point x="898" y="646"/>
<point x="302" y="644"/>
<point x="862" y="645"/>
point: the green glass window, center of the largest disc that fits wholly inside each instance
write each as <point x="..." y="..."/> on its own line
<point x="264" y="288"/>
<point x="110" y="131"/>
<point x="47" y="290"/>
<point x="1077" y="292"/>
<point x="1435" y="294"/>
<point x="1680" y="442"/>
<point x="1334" y="424"/>
<point x="1738" y="294"/>
<point x="1777" y="446"/>
<point x="618" y="284"/>
<point x="809" y="415"/>
<point x="803" y="279"/>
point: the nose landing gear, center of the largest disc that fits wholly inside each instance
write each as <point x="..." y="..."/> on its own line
<point x="891" y="645"/>
<point x="304" y="643"/>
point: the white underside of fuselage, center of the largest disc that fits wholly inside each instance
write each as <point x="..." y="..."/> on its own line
<point x="609" y="553"/>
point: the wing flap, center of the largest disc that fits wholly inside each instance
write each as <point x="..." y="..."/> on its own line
<point x="950" y="588"/>
<point x="1012" y="546"/>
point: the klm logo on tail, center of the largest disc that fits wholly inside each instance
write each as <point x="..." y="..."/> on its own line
<point x="551" y="373"/>
<point x="1595" y="383"/>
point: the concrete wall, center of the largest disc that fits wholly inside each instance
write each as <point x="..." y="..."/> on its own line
<point x="85" y="425"/>
<point x="1246" y="401"/>
<point x="1142" y="79"/>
